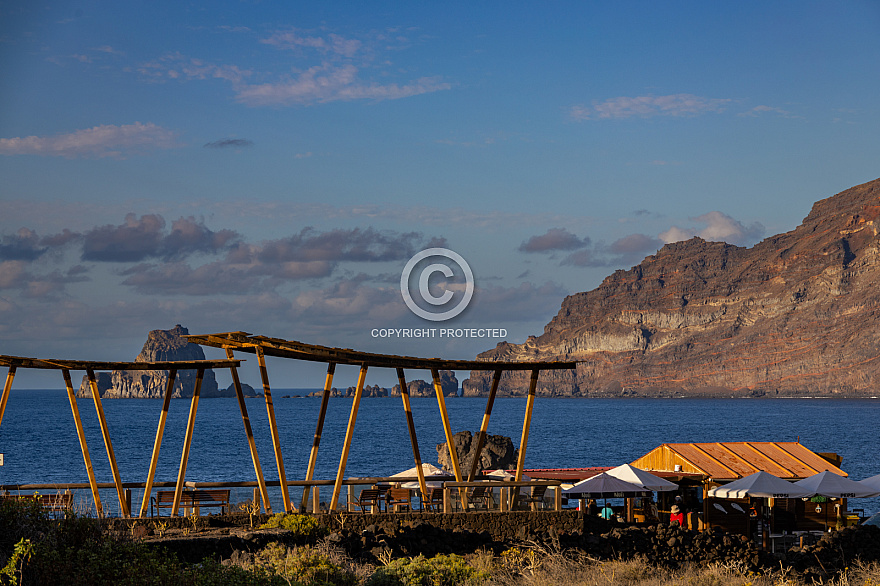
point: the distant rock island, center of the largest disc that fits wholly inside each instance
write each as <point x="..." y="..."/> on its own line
<point x="794" y="316"/>
<point x="161" y="345"/>
<point x="416" y="388"/>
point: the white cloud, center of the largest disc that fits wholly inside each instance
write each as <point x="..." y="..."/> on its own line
<point x="328" y="83"/>
<point x="649" y="106"/>
<point x="719" y="227"/>
<point x="100" y="141"/>
<point x="759" y="110"/>
<point x="333" y="43"/>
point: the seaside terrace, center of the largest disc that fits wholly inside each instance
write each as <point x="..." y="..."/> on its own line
<point x="263" y="346"/>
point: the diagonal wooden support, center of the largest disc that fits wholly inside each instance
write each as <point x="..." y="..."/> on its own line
<point x="273" y="426"/>
<point x="417" y="456"/>
<point x="187" y="442"/>
<point x="524" y="441"/>
<point x="105" y="432"/>
<point x="80" y="433"/>
<point x="255" y="457"/>
<point x="349" y="432"/>
<point x="7" y="388"/>
<point x="319" y="429"/>
<point x="157" y="443"/>
<point x="447" y="429"/>
<point x="484" y="426"/>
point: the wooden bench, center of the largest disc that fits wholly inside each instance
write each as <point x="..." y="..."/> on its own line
<point x="55" y="503"/>
<point x="191" y="499"/>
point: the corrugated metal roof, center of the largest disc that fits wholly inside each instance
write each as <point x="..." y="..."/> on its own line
<point x="732" y="460"/>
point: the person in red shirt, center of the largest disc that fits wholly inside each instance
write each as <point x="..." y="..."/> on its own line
<point x="676" y="515"/>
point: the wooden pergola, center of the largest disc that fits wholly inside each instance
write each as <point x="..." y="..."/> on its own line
<point x="263" y="346"/>
<point x="65" y="366"/>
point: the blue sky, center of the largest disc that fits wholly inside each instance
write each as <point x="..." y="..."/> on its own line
<point x="271" y="167"/>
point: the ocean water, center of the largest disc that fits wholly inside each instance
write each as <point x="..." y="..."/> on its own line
<point x="39" y="443"/>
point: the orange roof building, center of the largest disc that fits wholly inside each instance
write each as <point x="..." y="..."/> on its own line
<point x="726" y="461"/>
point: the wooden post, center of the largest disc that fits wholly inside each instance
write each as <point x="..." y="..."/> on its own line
<point x="319" y="429"/>
<point x="71" y="396"/>
<point x="276" y="443"/>
<point x="484" y="426"/>
<point x="316" y="501"/>
<point x="7" y="388"/>
<point x="187" y="441"/>
<point x="557" y="498"/>
<point x="255" y="457"/>
<point x="349" y="432"/>
<point x="524" y="440"/>
<point x="157" y="443"/>
<point x="407" y="409"/>
<point x="105" y="432"/>
<point x="447" y="429"/>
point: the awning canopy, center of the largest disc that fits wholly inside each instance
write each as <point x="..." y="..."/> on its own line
<point x="604" y="486"/>
<point x="631" y="474"/>
<point x="872" y="482"/>
<point x="759" y="485"/>
<point x="834" y="486"/>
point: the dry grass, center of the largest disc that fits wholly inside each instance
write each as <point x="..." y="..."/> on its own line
<point x="561" y="569"/>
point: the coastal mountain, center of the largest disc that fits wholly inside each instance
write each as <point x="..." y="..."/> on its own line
<point x="161" y="345"/>
<point x="796" y="315"/>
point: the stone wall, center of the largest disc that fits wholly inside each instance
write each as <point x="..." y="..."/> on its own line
<point x="501" y="526"/>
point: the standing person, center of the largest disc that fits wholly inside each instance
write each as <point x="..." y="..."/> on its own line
<point x="677" y="515"/>
<point x="607" y="512"/>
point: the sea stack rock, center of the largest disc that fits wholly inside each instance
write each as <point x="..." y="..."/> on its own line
<point x="161" y="345"/>
<point x="420" y="388"/>
<point x="796" y="315"/>
<point x="497" y="453"/>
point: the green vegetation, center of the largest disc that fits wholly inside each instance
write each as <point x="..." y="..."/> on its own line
<point x="303" y="526"/>
<point x="79" y="551"/>
<point x="441" y="570"/>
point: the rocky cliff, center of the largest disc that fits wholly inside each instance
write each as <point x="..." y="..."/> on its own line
<point x="795" y="315"/>
<point x="161" y="345"/>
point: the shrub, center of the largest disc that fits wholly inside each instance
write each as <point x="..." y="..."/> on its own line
<point x="304" y="565"/>
<point x="440" y="570"/>
<point x="303" y="526"/>
<point x="21" y="518"/>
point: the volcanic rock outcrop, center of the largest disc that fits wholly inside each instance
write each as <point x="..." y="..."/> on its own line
<point x="796" y="315"/>
<point x="420" y="388"/>
<point x="161" y="345"/>
<point x="498" y="453"/>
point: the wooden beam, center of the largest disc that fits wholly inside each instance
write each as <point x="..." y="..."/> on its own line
<point x="187" y="442"/>
<point x="319" y="429"/>
<point x="58" y="364"/>
<point x="273" y="426"/>
<point x="255" y="457"/>
<point x="105" y="432"/>
<point x="157" y="443"/>
<point x="524" y="440"/>
<point x="7" y="388"/>
<point x="349" y="433"/>
<point x="84" y="448"/>
<point x="447" y="430"/>
<point x="417" y="456"/>
<point x="311" y="352"/>
<point x="484" y="426"/>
